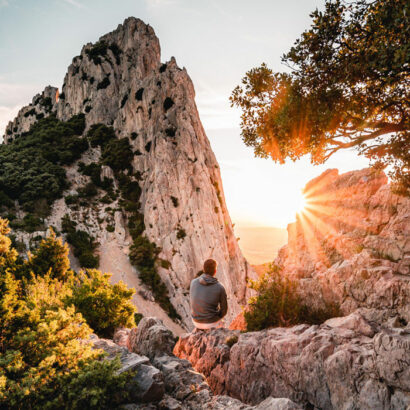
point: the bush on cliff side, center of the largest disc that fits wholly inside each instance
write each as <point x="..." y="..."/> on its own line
<point x="31" y="166"/>
<point x="278" y="304"/>
<point x="43" y="362"/>
<point x="105" y="307"/>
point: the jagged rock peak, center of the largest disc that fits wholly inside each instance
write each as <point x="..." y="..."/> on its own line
<point x="120" y="81"/>
<point x="41" y="106"/>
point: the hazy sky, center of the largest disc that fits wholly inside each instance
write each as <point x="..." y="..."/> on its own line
<point x="216" y="40"/>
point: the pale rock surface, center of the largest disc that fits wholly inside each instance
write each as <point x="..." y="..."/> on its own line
<point x="165" y="381"/>
<point x="152" y="104"/>
<point x="351" y="245"/>
<point x="332" y="366"/>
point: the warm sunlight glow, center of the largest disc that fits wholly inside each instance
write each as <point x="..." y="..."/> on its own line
<point x="301" y="204"/>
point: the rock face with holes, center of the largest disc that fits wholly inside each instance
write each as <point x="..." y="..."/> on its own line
<point x="121" y="82"/>
<point x="352" y="243"/>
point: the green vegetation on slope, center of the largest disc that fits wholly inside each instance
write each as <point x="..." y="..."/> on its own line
<point x="44" y="316"/>
<point x="31" y="166"/>
<point x="278" y="303"/>
<point x="117" y="154"/>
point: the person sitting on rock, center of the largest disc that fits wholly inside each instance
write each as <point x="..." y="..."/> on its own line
<point x="208" y="299"/>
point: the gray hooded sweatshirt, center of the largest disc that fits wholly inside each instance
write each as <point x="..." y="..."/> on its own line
<point x="208" y="299"/>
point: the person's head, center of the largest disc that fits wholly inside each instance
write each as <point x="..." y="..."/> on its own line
<point x="210" y="267"/>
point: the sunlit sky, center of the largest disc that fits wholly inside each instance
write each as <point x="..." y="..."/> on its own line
<point x="216" y="40"/>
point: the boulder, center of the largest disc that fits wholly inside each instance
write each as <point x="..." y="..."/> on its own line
<point x="151" y="338"/>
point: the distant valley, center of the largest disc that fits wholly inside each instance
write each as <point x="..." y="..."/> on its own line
<point x="260" y="244"/>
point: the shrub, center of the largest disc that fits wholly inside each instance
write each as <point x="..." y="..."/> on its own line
<point x="117" y="154"/>
<point x="110" y="228"/>
<point x="100" y="135"/>
<point x="105" y="307"/>
<point x="137" y="318"/>
<point x="165" y="264"/>
<point x="97" y="51"/>
<point x="44" y="363"/>
<point x="32" y="223"/>
<point x="83" y="243"/>
<point x="181" y="234"/>
<point x="278" y="303"/>
<point x="50" y="257"/>
<point x="31" y="168"/>
<point x="87" y="191"/>
<point x="71" y="199"/>
<point x="143" y="253"/>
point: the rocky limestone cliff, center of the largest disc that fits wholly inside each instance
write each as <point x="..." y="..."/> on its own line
<point x="120" y="81"/>
<point x="352" y="243"/>
<point x="350" y="246"/>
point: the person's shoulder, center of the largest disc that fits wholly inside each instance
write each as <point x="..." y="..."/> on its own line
<point x="222" y="287"/>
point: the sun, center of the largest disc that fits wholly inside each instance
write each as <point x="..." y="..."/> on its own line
<point x="300" y="203"/>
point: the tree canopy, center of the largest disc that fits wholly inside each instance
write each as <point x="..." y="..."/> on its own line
<point x="348" y="87"/>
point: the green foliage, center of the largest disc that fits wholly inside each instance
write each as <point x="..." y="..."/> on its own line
<point x="278" y="303"/>
<point x="165" y="264"/>
<point x="100" y="135"/>
<point x="181" y="234"/>
<point x="117" y="154"/>
<point x="83" y="243"/>
<point x="105" y="307"/>
<point x="110" y="228"/>
<point x="31" y="167"/>
<point x="138" y="317"/>
<point x="97" y="51"/>
<point x="51" y="257"/>
<point x="93" y="170"/>
<point x="348" y="88"/>
<point x="29" y="223"/>
<point x="44" y="362"/>
<point x="144" y="255"/>
<point x="88" y="190"/>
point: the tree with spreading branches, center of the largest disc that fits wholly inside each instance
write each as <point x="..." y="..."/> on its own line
<point x="348" y="87"/>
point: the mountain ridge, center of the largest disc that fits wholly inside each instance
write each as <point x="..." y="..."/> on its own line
<point x="120" y="82"/>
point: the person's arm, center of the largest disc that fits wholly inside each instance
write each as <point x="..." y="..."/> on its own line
<point x="223" y="303"/>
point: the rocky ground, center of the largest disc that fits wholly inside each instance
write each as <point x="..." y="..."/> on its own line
<point x="350" y="362"/>
<point x="165" y="381"/>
